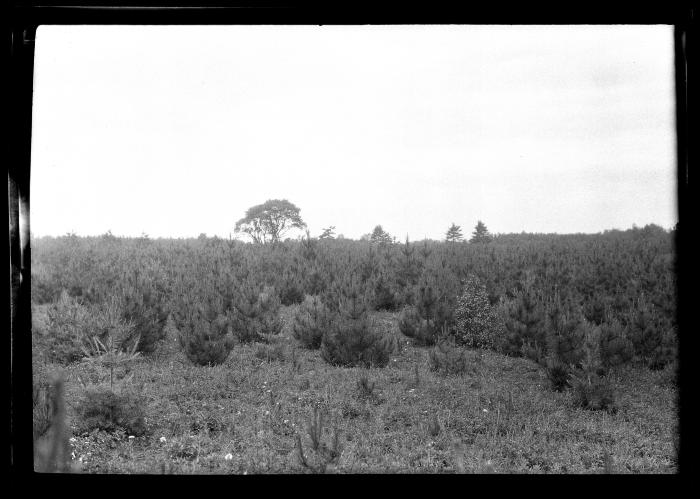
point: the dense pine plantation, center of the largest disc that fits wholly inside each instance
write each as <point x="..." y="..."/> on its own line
<point x="525" y="353"/>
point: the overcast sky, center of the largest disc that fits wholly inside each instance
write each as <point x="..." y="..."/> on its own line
<point x="175" y="131"/>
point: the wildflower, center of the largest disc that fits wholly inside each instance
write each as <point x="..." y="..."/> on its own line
<point x="286" y="421"/>
<point x="131" y="437"/>
<point x="162" y="440"/>
<point x="267" y="413"/>
<point x="228" y="456"/>
<point x="485" y="410"/>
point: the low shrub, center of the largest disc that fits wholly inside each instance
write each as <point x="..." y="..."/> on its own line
<point x="102" y="408"/>
<point x="476" y="323"/>
<point x="71" y="326"/>
<point x="351" y="342"/>
<point x="206" y="342"/>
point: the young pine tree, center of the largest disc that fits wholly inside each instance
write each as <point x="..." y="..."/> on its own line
<point x="433" y="311"/>
<point x="481" y="234"/>
<point x="524" y="323"/>
<point x="454" y="234"/>
<point x="350" y="340"/>
<point x="204" y="327"/>
<point x="256" y="312"/>
<point x="311" y="320"/>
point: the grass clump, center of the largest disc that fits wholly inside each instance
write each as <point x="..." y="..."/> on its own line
<point x="558" y="374"/>
<point x="271" y="353"/>
<point x="595" y="394"/>
<point x="447" y="358"/>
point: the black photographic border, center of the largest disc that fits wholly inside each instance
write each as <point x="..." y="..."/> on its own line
<point x="25" y="17"/>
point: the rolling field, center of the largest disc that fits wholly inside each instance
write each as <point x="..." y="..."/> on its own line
<point x="252" y="413"/>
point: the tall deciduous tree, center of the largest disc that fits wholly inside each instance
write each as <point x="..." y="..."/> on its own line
<point x="269" y="221"/>
<point x="481" y="234"/>
<point x="454" y="234"/>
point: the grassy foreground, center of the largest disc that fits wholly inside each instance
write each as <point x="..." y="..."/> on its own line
<point x="244" y="417"/>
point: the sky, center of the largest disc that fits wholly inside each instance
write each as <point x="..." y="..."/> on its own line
<point x="175" y="131"/>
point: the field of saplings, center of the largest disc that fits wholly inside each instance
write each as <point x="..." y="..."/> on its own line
<point x="525" y="353"/>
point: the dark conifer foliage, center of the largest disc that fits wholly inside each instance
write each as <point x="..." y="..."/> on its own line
<point x="350" y="340"/>
<point x="547" y="290"/>
<point x="454" y="234"/>
<point x="481" y="234"/>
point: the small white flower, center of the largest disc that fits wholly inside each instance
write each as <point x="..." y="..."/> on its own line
<point x="485" y="410"/>
<point x="269" y="391"/>
<point x="162" y="440"/>
<point x="131" y="437"/>
<point x="228" y="456"/>
<point x="267" y="413"/>
<point x="71" y="439"/>
<point x="245" y="472"/>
